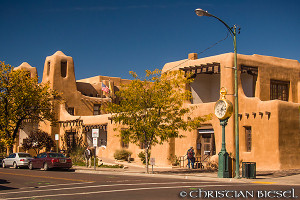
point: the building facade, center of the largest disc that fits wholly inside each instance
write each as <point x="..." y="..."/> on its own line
<point x="269" y="101"/>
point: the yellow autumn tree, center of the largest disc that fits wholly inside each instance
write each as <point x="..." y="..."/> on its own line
<point x="22" y="98"/>
<point x="152" y="108"/>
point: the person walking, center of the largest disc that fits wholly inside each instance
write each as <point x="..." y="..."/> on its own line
<point x="88" y="155"/>
<point x="191" y="157"/>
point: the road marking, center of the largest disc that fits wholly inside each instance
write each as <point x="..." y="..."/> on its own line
<point x="261" y="182"/>
<point x="43" y="186"/>
<point x="47" y="177"/>
<point x="109" y="191"/>
<point x="94" y="186"/>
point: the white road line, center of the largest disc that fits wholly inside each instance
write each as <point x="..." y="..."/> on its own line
<point x="94" y="186"/>
<point x="43" y="186"/>
<point x="109" y="191"/>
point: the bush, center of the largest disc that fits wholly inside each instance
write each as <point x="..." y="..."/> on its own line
<point x="142" y="156"/>
<point x="77" y="156"/>
<point x="174" y="160"/>
<point x="122" y="154"/>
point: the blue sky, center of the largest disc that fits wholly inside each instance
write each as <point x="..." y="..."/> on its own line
<point x="113" y="37"/>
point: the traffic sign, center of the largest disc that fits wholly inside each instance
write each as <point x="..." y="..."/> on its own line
<point x="95" y="133"/>
<point x="95" y="141"/>
<point x="152" y="161"/>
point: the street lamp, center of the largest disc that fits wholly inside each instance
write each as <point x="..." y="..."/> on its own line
<point x="201" y="13"/>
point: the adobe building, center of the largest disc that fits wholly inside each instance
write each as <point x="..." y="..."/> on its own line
<point x="269" y="101"/>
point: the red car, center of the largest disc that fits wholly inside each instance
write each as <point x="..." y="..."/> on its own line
<point x="50" y="160"/>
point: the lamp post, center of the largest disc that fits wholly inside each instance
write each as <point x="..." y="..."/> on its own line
<point x="201" y="13"/>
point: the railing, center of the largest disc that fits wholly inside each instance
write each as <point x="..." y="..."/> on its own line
<point x="183" y="162"/>
<point x="199" y="160"/>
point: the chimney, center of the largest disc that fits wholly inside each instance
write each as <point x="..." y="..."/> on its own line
<point x="193" y="56"/>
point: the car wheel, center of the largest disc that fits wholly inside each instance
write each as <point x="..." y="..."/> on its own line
<point x="46" y="167"/>
<point x="15" y="165"/>
<point x="3" y="165"/>
<point x="30" y="166"/>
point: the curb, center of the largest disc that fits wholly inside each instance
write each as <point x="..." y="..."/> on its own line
<point x="193" y="176"/>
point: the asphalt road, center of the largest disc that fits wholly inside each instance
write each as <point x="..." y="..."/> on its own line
<point x="55" y="185"/>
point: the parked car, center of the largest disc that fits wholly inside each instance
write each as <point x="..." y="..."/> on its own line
<point x="50" y="160"/>
<point x="17" y="160"/>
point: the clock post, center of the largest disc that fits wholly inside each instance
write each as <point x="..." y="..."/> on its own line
<point x="223" y="171"/>
<point x="223" y="110"/>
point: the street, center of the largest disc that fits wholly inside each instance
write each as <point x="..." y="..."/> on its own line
<point x="54" y="185"/>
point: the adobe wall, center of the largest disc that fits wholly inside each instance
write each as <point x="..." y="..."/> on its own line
<point x="289" y="138"/>
<point x="272" y="145"/>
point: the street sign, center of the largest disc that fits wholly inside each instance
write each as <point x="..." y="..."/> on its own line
<point x="95" y="141"/>
<point x="56" y="137"/>
<point x="95" y="133"/>
<point x="152" y="161"/>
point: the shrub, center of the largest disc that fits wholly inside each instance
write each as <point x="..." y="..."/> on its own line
<point x="122" y="154"/>
<point x="174" y="160"/>
<point x="142" y="156"/>
<point x="77" y="156"/>
<point x="212" y="166"/>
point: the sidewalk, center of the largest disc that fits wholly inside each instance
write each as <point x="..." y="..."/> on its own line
<point x="282" y="177"/>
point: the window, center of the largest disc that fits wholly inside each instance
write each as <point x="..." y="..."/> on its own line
<point x="12" y="155"/>
<point x="71" y="140"/>
<point x="279" y="90"/>
<point x="48" y="68"/>
<point x="43" y="155"/>
<point x="97" y="109"/>
<point x="63" y="68"/>
<point x="248" y="137"/>
<point x="71" y="110"/>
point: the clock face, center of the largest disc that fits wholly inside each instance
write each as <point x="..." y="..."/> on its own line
<point x="220" y="109"/>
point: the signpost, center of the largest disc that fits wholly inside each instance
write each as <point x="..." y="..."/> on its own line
<point x="95" y="135"/>
<point x="152" y="162"/>
<point x="57" y="139"/>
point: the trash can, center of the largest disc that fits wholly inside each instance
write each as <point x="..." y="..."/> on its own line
<point x="248" y="169"/>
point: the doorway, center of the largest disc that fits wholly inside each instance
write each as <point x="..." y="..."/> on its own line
<point x="206" y="143"/>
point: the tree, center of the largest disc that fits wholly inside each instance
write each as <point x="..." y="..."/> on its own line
<point x="22" y="98"/>
<point x="38" y="140"/>
<point x="152" y="109"/>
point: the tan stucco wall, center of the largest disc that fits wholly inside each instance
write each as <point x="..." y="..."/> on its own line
<point x="272" y="146"/>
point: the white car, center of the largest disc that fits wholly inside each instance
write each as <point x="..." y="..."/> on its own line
<point x="16" y="160"/>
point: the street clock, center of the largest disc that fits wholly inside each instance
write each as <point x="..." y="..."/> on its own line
<point x="223" y="107"/>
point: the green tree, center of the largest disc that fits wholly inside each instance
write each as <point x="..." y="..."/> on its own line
<point x="152" y="108"/>
<point x="38" y="140"/>
<point x="22" y="98"/>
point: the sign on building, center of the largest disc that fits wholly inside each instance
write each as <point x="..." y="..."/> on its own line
<point x="95" y="133"/>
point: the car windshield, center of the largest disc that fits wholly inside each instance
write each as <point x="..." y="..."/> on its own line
<point x="56" y="155"/>
<point x="24" y="155"/>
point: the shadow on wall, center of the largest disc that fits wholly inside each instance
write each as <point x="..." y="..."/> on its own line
<point x="87" y="89"/>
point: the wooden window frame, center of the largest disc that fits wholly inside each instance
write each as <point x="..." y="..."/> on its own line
<point x="279" y="90"/>
<point x="248" y="138"/>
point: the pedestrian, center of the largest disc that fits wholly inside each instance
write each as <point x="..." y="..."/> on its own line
<point x="88" y="155"/>
<point x="191" y="157"/>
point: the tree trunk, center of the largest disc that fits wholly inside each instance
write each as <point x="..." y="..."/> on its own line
<point x="146" y="157"/>
<point x="10" y="149"/>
